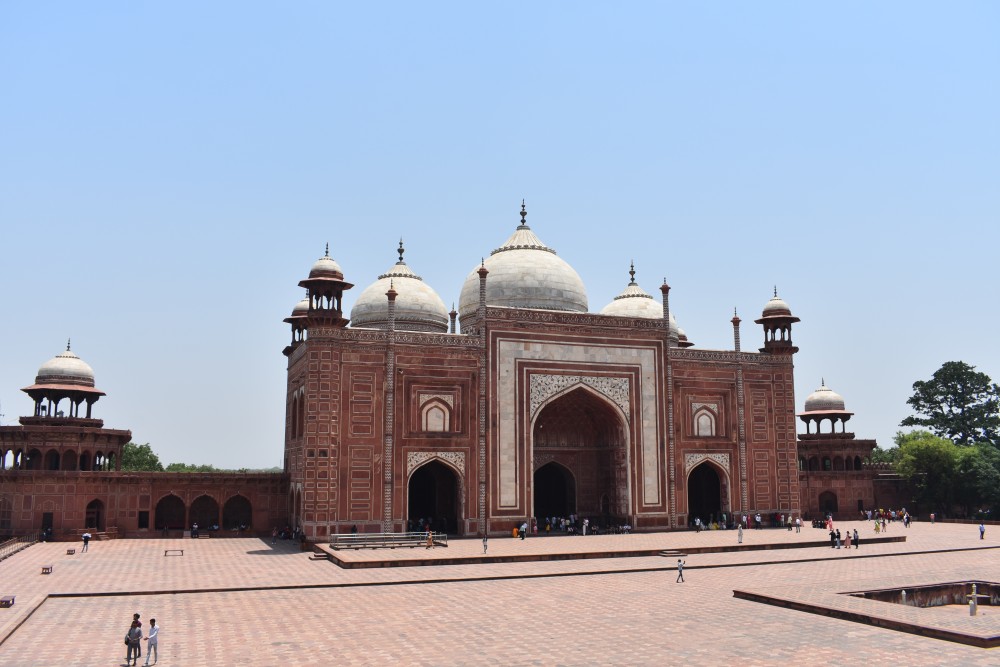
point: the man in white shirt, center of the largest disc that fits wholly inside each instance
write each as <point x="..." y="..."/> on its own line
<point x="154" y="630"/>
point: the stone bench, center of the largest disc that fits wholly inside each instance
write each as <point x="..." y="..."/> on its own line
<point x="46" y="569"/>
<point x="7" y="601"/>
<point x="70" y="552"/>
<point x="176" y="552"/>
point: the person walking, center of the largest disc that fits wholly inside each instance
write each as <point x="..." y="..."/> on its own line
<point x="857" y="540"/>
<point x="86" y="542"/>
<point x="982" y="530"/>
<point x="847" y="541"/>
<point x="798" y="524"/>
<point x="484" y="543"/>
<point x="838" y="538"/>
<point x="680" y="571"/>
<point x="132" y="639"/>
<point x="430" y="538"/>
<point x="151" y="641"/>
<point x="739" y="535"/>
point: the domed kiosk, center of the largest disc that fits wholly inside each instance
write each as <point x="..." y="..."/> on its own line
<point x="525" y="273"/>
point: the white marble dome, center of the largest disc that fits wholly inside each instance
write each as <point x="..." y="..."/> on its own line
<point x="776" y="306"/>
<point x="824" y="399"/>
<point x="525" y="273"/>
<point x="418" y="306"/>
<point x="637" y="302"/>
<point x="326" y="267"/>
<point x="65" y="368"/>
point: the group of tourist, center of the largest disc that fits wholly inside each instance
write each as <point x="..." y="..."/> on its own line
<point x="849" y="537"/>
<point x="133" y="641"/>
<point x="746" y="522"/>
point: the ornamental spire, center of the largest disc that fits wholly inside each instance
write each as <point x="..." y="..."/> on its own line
<point x="524" y="216"/>
<point x="401" y="250"/>
<point x="631" y="273"/>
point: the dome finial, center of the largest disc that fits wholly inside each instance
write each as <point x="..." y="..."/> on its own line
<point x="776" y="291"/>
<point x="524" y="215"/>
<point x="401" y="250"/>
<point x="67" y="344"/>
<point x="327" y="252"/>
<point x="631" y="272"/>
<point x="822" y="382"/>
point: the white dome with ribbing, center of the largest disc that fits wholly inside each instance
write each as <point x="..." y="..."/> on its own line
<point x="65" y="368"/>
<point x="525" y="273"/>
<point x="824" y="399"/>
<point x="418" y="306"/>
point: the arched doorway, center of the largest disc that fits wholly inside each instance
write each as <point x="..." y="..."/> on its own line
<point x="52" y="460"/>
<point x="237" y="513"/>
<point x="555" y="491"/>
<point x="95" y="515"/>
<point x="169" y="513"/>
<point x="704" y="493"/>
<point x="828" y="503"/>
<point x="434" y="494"/>
<point x="69" y="460"/>
<point x="588" y="435"/>
<point x="204" y="512"/>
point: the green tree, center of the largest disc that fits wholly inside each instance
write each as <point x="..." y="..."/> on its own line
<point x="930" y="464"/>
<point x="958" y="403"/>
<point x="140" y="458"/>
<point x="887" y="455"/>
<point x="191" y="467"/>
<point x="979" y="472"/>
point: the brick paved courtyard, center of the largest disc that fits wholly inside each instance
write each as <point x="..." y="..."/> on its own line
<point x="229" y="601"/>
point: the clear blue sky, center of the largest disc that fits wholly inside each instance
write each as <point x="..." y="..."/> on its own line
<point x="169" y="171"/>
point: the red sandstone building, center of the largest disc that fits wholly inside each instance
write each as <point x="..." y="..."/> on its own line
<point x="534" y="407"/>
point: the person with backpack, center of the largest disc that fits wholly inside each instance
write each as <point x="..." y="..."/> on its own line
<point x="132" y="639"/>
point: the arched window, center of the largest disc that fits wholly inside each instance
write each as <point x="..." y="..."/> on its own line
<point x="838" y="463"/>
<point x="294" y="419"/>
<point x="704" y="423"/>
<point x="435" y="417"/>
<point x="814" y="463"/>
<point x="827" y="464"/>
<point x="802" y="463"/>
<point x="857" y="463"/>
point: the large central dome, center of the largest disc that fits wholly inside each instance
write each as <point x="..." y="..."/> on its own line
<point x="525" y="273"/>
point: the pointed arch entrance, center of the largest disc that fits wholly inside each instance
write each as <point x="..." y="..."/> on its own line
<point x="204" y="512"/>
<point x="704" y="487"/>
<point x="170" y="512"/>
<point x="434" y="493"/>
<point x="555" y="491"/>
<point x="94" y="518"/>
<point x="585" y="434"/>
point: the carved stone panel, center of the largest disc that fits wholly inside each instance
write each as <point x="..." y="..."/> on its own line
<point x="691" y="461"/>
<point x="544" y="387"/>
<point x="456" y="459"/>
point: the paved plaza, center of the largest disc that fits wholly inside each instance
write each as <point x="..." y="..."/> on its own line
<point x="243" y="601"/>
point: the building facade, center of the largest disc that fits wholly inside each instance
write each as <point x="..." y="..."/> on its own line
<point x="537" y="408"/>
<point x="522" y="403"/>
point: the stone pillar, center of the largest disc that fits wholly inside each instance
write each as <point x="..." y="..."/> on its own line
<point x="671" y="453"/>
<point x="740" y="416"/>
<point x="390" y="412"/>
<point x="483" y="414"/>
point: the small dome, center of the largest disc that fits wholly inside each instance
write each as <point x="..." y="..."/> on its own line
<point x="824" y="399"/>
<point x="326" y="267"/>
<point x="636" y="302"/>
<point x="776" y="306"/>
<point x="418" y="306"/>
<point x="65" y="368"/>
<point x="525" y="273"/>
<point x="301" y="309"/>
